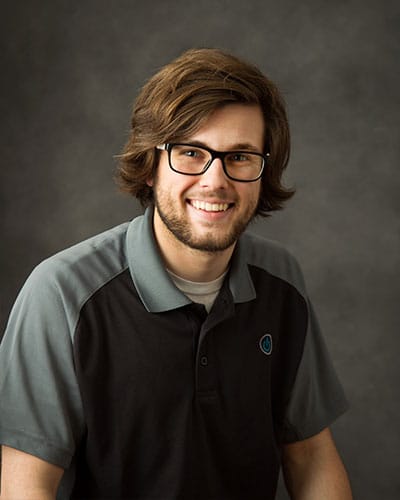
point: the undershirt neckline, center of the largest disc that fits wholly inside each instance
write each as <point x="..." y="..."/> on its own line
<point x="201" y="292"/>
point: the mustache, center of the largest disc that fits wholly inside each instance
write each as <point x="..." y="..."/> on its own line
<point x="212" y="195"/>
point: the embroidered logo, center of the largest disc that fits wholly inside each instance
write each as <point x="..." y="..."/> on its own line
<point x="266" y="344"/>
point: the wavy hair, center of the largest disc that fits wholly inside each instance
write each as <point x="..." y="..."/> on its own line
<point x="176" y="102"/>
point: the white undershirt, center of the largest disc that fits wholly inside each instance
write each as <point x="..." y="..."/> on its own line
<point x="200" y="292"/>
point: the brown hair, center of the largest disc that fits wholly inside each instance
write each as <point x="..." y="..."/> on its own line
<point x="177" y="100"/>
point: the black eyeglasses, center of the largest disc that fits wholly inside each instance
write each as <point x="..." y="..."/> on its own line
<point x="189" y="159"/>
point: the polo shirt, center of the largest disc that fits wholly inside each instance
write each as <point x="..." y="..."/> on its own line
<point x="111" y="372"/>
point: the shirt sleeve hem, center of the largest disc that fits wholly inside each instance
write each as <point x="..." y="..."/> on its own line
<point x="308" y="430"/>
<point x="38" y="447"/>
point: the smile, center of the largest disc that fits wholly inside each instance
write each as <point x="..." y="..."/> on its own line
<point x="209" y="207"/>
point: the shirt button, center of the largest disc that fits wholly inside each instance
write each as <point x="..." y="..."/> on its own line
<point x="204" y="361"/>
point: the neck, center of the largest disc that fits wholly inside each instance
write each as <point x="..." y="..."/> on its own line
<point x="186" y="262"/>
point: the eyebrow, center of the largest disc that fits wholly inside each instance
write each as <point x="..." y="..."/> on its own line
<point x="240" y="146"/>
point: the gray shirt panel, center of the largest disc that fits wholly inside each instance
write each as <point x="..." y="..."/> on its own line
<point x="273" y="258"/>
<point x="40" y="405"/>
<point x="317" y="397"/>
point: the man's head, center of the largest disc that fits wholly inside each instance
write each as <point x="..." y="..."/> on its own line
<point x="209" y="212"/>
<point x="178" y="100"/>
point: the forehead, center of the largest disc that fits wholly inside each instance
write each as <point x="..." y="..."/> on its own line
<point x="232" y="125"/>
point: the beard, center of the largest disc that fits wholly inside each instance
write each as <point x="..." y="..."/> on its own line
<point x="214" y="240"/>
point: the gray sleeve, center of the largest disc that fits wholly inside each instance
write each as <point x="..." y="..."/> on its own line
<point x="317" y="397"/>
<point x="40" y="405"/>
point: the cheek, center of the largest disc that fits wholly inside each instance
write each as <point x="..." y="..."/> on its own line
<point x="176" y="184"/>
<point x="251" y="193"/>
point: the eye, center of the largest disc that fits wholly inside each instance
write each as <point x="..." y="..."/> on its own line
<point x="192" y="153"/>
<point x="189" y="152"/>
<point x="238" y="157"/>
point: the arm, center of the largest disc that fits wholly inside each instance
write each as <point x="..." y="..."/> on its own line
<point x="313" y="470"/>
<point x="28" y="477"/>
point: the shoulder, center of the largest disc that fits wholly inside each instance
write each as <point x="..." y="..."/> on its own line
<point x="274" y="258"/>
<point x="67" y="279"/>
<point x="104" y="253"/>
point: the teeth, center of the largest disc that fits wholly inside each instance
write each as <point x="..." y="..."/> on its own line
<point x="210" y="207"/>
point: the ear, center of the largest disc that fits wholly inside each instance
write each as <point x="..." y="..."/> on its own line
<point x="150" y="182"/>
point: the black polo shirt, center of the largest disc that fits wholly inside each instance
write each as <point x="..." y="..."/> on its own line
<point x="111" y="372"/>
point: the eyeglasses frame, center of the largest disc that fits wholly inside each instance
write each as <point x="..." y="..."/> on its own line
<point x="214" y="154"/>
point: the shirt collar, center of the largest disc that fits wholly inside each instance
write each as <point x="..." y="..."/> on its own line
<point x="155" y="287"/>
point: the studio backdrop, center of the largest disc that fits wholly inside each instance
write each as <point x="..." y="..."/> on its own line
<point x="70" y="72"/>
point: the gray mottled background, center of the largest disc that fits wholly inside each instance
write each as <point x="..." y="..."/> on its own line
<point x="69" y="73"/>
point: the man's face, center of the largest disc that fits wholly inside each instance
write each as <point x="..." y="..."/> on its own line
<point x="210" y="211"/>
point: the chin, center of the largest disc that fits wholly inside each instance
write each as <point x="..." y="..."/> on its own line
<point x="209" y="244"/>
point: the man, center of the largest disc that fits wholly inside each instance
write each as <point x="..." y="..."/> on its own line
<point x="176" y="357"/>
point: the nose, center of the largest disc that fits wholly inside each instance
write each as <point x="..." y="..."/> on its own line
<point x="214" y="177"/>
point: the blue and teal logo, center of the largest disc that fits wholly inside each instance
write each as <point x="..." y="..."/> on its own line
<point x="266" y="344"/>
